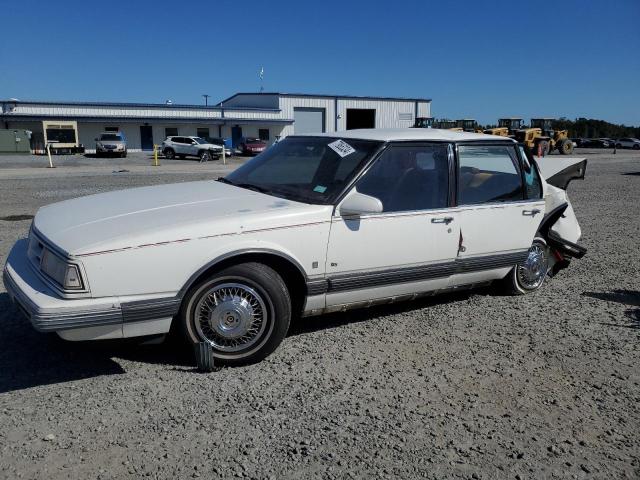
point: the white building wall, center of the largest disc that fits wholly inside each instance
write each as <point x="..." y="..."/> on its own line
<point x="388" y="112"/>
<point x="287" y="105"/>
<point x="424" y="109"/>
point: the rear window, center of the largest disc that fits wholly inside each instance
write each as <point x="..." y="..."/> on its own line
<point x="488" y="174"/>
<point x="111" y="136"/>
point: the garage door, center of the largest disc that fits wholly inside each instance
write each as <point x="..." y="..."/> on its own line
<point x="308" y="120"/>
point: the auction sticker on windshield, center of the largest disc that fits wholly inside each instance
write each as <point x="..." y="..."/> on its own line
<point x="342" y="148"/>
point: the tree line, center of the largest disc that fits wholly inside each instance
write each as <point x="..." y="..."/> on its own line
<point x="591" y="128"/>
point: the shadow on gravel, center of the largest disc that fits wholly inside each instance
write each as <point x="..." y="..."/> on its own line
<point x="339" y="319"/>
<point x="29" y="359"/>
<point x="626" y="297"/>
<point x="635" y="174"/>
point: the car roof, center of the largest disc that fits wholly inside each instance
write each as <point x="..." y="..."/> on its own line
<point x="397" y="134"/>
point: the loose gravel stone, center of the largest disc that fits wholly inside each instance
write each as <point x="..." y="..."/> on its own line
<point x="466" y="385"/>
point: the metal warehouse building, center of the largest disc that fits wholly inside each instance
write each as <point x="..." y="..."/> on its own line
<point x="269" y="116"/>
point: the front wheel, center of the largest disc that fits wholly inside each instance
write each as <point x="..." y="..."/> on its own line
<point x="169" y="153"/>
<point x="243" y="312"/>
<point x="529" y="276"/>
<point x="205" y="156"/>
<point x="636" y="146"/>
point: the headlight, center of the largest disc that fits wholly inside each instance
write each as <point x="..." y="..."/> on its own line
<point x="67" y="275"/>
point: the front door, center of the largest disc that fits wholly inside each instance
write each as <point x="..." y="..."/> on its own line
<point x="499" y="217"/>
<point x="236" y="136"/>
<point x="146" y="137"/>
<point x="408" y="248"/>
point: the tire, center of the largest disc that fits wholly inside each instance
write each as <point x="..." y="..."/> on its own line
<point x="565" y="147"/>
<point x="543" y="147"/>
<point x="205" y="156"/>
<point x="243" y="312"/>
<point x="517" y="283"/>
<point x="618" y="145"/>
<point x="169" y="153"/>
<point x="181" y="157"/>
<point x="636" y="146"/>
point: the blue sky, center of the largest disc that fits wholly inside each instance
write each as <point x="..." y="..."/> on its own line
<point x="474" y="59"/>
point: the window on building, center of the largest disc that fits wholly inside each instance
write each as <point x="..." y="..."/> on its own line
<point x="202" y="132"/>
<point x="488" y="174"/>
<point x="111" y="129"/>
<point x="171" y="131"/>
<point x="409" y="178"/>
<point x="263" y="133"/>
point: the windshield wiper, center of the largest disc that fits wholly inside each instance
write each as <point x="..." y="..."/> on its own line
<point x="225" y="180"/>
<point x="251" y="186"/>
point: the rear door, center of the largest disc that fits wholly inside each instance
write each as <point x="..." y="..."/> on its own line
<point x="500" y="207"/>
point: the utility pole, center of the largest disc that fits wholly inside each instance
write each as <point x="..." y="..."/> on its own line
<point x="206" y="99"/>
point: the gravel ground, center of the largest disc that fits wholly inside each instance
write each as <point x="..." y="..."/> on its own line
<point x="473" y="385"/>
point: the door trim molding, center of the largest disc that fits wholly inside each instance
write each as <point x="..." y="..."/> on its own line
<point x="362" y="280"/>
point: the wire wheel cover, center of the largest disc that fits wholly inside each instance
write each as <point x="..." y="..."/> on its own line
<point x="532" y="272"/>
<point x="231" y="316"/>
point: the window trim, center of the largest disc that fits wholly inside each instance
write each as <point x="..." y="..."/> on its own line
<point x="488" y="143"/>
<point x="522" y="148"/>
<point x="376" y="157"/>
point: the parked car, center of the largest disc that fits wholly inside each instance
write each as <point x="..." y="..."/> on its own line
<point x="220" y="141"/>
<point x="578" y="142"/>
<point x="316" y="224"/>
<point x="252" y="146"/>
<point x="598" y="143"/>
<point x="111" y="143"/>
<point x="182" y="147"/>
<point x="628" y="143"/>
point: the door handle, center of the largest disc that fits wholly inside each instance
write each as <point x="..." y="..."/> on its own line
<point x="445" y="220"/>
<point x="531" y="213"/>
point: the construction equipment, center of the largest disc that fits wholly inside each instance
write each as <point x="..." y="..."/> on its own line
<point x="423" y="122"/>
<point x="467" y="125"/>
<point x="445" y="124"/>
<point x="62" y="136"/>
<point x="507" y="127"/>
<point x="541" y="132"/>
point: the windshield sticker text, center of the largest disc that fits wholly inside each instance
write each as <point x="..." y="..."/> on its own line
<point x="342" y="148"/>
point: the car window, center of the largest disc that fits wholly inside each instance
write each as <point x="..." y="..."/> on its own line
<point x="407" y="178"/>
<point x="532" y="182"/>
<point x="488" y="173"/>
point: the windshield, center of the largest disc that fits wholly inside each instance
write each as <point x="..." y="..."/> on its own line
<point x="306" y="169"/>
<point x="111" y="136"/>
<point x="253" y="140"/>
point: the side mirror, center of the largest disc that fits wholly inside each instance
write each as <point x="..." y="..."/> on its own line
<point x="360" y="204"/>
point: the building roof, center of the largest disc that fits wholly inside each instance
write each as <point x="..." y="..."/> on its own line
<point x="391" y="134"/>
<point x="132" y="105"/>
<point x="312" y="95"/>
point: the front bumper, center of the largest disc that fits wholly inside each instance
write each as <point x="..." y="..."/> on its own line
<point x="82" y="318"/>
<point x="40" y="304"/>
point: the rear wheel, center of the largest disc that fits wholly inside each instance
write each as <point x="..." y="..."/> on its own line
<point x="243" y="312"/>
<point x="565" y="147"/>
<point x="530" y="275"/>
<point x="169" y="153"/>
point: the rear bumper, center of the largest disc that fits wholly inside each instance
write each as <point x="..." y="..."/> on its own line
<point x="82" y="318"/>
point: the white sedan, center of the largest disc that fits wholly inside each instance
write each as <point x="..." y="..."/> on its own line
<point x="315" y="224"/>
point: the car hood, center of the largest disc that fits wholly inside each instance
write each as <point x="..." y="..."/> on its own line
<point x="166" y="213"/>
